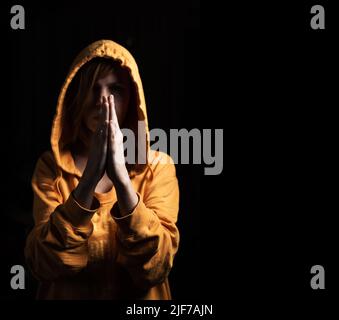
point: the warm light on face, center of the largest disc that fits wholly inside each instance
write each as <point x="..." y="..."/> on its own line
<point x="116" y="83"/>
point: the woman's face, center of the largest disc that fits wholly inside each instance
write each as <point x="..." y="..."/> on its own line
<point x="116" y="83"/>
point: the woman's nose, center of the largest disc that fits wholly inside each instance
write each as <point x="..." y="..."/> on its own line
<point x="103" y="93"/>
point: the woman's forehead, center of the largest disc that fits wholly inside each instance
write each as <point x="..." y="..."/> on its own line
<point x="118" y="75"/>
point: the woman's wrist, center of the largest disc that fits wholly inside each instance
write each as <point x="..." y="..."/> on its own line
<point x="119" y="176"/>
<point x="83" y="193"/>
<point x="127" y="197"/>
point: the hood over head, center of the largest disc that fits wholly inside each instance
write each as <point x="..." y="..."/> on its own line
<point x="110" y="50"/>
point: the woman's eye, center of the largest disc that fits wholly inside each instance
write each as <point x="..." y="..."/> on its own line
<point x="117" y="89"/>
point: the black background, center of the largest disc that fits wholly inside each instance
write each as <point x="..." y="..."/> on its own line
<point x="255" y="69"/>
<point x="165" y="43"/>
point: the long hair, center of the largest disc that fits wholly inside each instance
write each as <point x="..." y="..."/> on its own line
<point x="79" y="98"/>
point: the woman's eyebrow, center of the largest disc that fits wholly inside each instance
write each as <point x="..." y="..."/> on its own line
<point x="119" y="83"/>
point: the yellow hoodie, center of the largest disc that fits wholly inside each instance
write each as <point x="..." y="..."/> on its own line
<point x="111" y="258"/>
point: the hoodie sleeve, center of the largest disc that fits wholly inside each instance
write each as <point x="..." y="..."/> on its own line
<point x="148" y="238"/>
<point x="55" y="247"/>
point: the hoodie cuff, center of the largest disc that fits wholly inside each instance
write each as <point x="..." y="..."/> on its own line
<point x="137" y="222"/>
<point x="78" y="215"/>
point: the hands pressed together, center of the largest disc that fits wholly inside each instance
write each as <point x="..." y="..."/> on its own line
<point x="106" y="154"/>
<point x="107" y="150"/>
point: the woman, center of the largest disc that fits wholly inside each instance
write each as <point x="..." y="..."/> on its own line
<point x="104" y="227"/>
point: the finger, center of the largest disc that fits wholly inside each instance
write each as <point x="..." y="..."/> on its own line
<point x="101" y="114"/>
<point x="110" y="126"/>
<point x="106" y="110"/>
<point x="113" y="114"/>
<point x="110" y="111"/>
<point x="104" y="116"/>
<point x="100" y="122"/>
